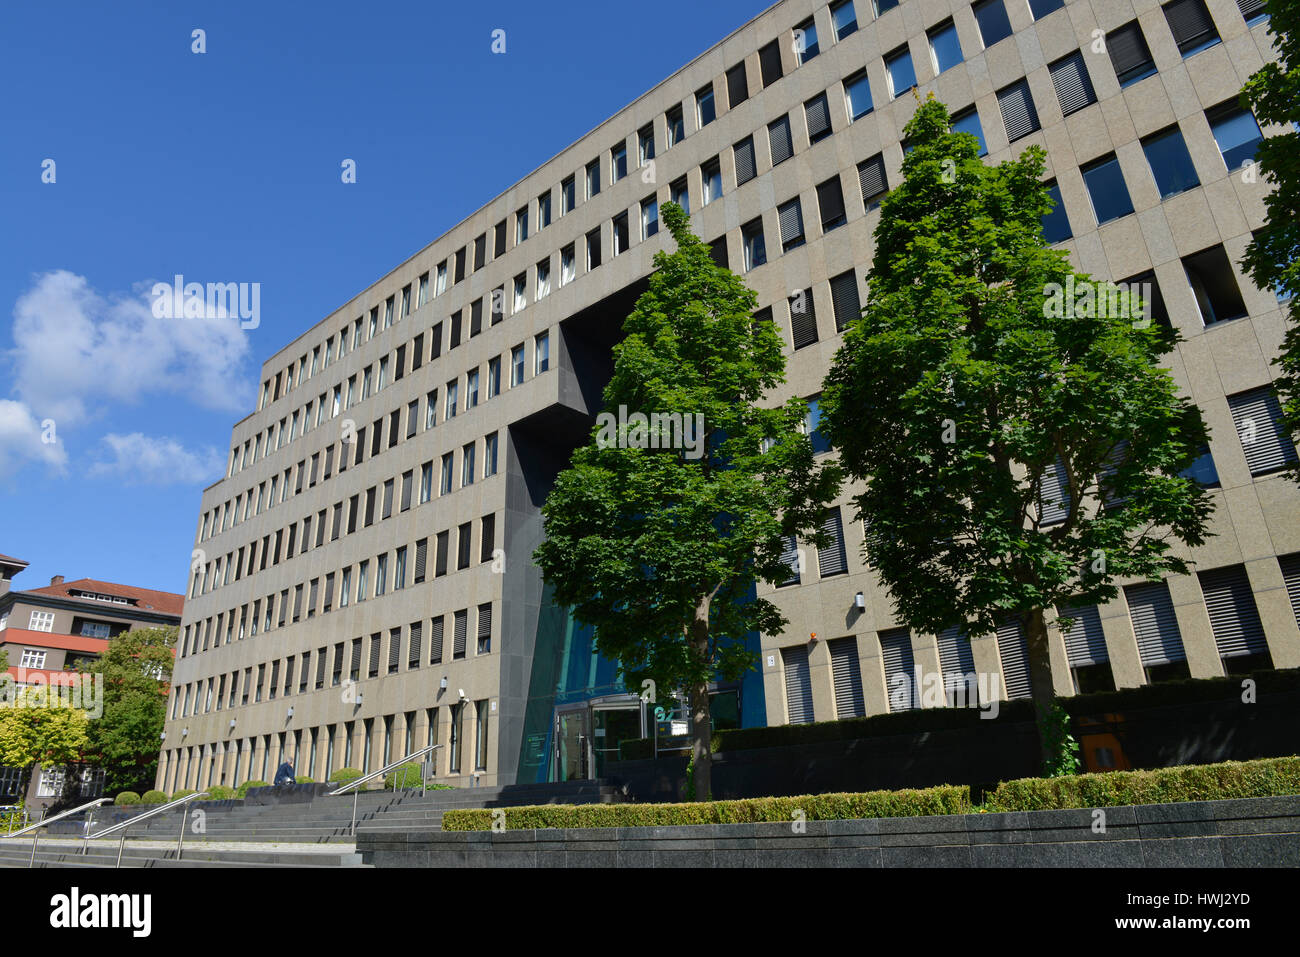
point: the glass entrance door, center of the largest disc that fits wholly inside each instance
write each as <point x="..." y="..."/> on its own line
<point x="612" y="726"/>
<point x="572" y="744"/>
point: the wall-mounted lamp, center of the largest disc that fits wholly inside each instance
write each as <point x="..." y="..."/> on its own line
<point x="185" y="733"/>
<point x="812" y="636"/>
<point x="442" y="685"/>
<point x="232" y="722"/>
<point x="859" y="600"/>
<point x="163" y="736"/>
<point x="360" y="698"/>
<point x="460" y="692"/>
<point x="290" y="714"/>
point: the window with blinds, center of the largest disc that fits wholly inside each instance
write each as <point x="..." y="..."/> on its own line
<point x="769" y="63"/>
<point x="1018" y="113"/>
<point x="779" y="140"/>
<point x="1154" y="624"/>
<point x="790" y="219"/>
<point x="798" y="685"/>
<point x="831" y="560"/>
<point x="803" y="319"/>
<point x="488" y="538"/>
<point x="872" y="180"/>
<point x="737" y="85"/>
<point x="355" y="671"/>
<point x="421" y="559"/>
<point x="1191" y="25"/>
<point x="435" y="640"/>
<point x="1054" y="495"/>
<point x="394" y="650"/>
<point x="957" y="663"/>
<point x="1238" y="631"/>
<point x="1257" y="417"/>
<point x="845" y="301"/>
<point x="818" y="114"/>
<point x="1013" y="652"/>
<point x="743" y="154"/>
<point x="499" y="239"/>
<point x="1129" y="54"/>
<point x="790" y="558"/>
<point x="484" y="628"/>
<point x="414" y="645"/>
<point x="442" y="543"/>
<point x="1252" y="11"/>
<point x="320" y="671"/>
<point x="461" y="626"/>
<point x="900" y="669"/>
<point x="373" y="670"/>
<point x="1073" y="85"/>
<point x="1085" y="643"/>
<point x="846" y="673"/>
<point x="830" y="201"/>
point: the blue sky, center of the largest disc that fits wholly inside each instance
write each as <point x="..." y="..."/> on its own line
<point x="225" y="167"/>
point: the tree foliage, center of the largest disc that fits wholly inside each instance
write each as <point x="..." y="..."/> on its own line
<point x="961" y="392"/>
<point x="1273" y="94"/>
<point x="658" y="550"/>
<point x="37" y="730"/>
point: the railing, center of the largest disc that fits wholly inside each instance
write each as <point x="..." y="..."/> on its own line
<point x="12" y="811"/>
<point x="36" y="828"/>
<point x="180" y="841"/>
<point x="353" y="785"/>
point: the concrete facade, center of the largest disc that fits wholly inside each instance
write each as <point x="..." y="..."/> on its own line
<point x="214" y="729"/>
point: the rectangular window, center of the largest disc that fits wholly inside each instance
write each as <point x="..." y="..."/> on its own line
<point x="945" y="48"/>
<point x="844" y="19"/>
<point x="751" y="237"/>
<point x="381" y="575"/>
<point x="832" y="560"/>
<point x="448" y="473"/>
<point x="521" y="225"/>
<point x="480" y="251"/>
<point x="1214" y="285"/>
<point x="499" y="239"/>
<point x="991" y="16"/>
<point x="1252" y="11"/>
<point x="769" y="63"/>
<point x="805" y="42"/>
<point x="541" y="353"/>
<point x="884" y="6"/>
<point x="494" y="377"/>
<point x="568" y="265"/>
<point x="544" y="210"/>
<point x="710" y="181"/>
<point x="1056" y="224"/>
<point x="898" y="67"/>
<point x="968" y="121"/>
<point x="41" y="621"/>
<point x="467" y="464"/>
<point x="463" y="551"/>
<point x="1018" y="113"/>
<point x="705" y="110"/>
<point x="622" y="240"/>
<point x="1106" y="188"/>
<point x="790" y="218"/>
<point x="857" y="95"/>
<point x="1072" y="83"/>
<point x="737" y="85"/>
<point x="649" y="218"/>
<point x="543" y="278"/>
<point x="431" y="409"/>
<point x="817" y="112"/>
<point x="803" y="319"/>
<point x="1160" y="644"/>
<point x="798" y="685"/>
<point x="1190" y="23"/>
<point x="426" y="482"/>
<point x="520" y="297"/>
<point x="593" y="249"/>
<point x="568" y="195"/>
<point x="516" y="365"/>
<point x="645" y="144"/>
<point x="1041" y="8"/>
<point x="676" y="125"/>
<point x="461" y="627"/>
<point x="452" y="401"/>
<point x="1171" y="164"/>
<point x="440" y="282"/>
<point x="484" y="629"/>
<point x="872" y="181"/>
<point x="845" y="301"/>
<point x="679" y="194"/>
<point x="846" y="676"/>
<point x="1234" y="619"/>
<point x="1129" y="54"/>
<point x="593" y="178"/>
<point x="900" y="669"/>
<point x="1236" y="133"/>
<point x="830" y="201"/>
<point x="490" y="455"/>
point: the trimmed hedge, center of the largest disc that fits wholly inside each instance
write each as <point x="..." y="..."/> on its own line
<point x="1204" y="782"/>
<point x="183" y="792"/>
<point x="1163" y="694"/>
<point x="404" y="778"/>
<point x="241" y="792"/>
<point x="945" y="799"/>
<point x="126" y="798"/>
<point x="344" y="776"/>
<point x="153" y="797"/>
<point x="219" y="792"/>
<point x="304" y="779"/>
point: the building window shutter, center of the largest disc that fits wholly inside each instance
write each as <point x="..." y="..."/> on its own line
<point x="1257" y="416"/>
<point x="1233" y="615"/>
<point x="374" y="655"/>
<point x="394" y="650"/>
<point x="435" y="640"/>
<point x="1073" y="85"/>
<point x="830" y="200"/>
<point x="1014" y="655"/>
<point x="461" y="627"/>
<point x="1154" y="624"/>
<point x="421" y="559"/>
<point x="484" y="628"/>
<point x="487" y="541"/>
<point x="790" y="558"/>
<point x="738" y="85"/>
<point x="847" y="673"/>
<point x="1018" y="113"/>
<point x="818" y="113"/>
<point x="413" y="652"/>
<point x="1054" y="495"/>
<point x="871" y="177"/>
<point x="803" y="319"/>
<point x="408" y="481"/>
<point x="1128" y="50"/>
<point x="1250" y="9"/>
<point x="778" y="136"/>
<point x="831" y="560"/>
<point x="744" y="156"/>
<point x="320" y="669"/>
<point x="844" y="299"/>
<point x="1190" y="23"/>
<point x="900" y="670"/>
<point x="769" y="62"/>
<point x="956" y="661"/>
<point x="1085" y="642"/>
<point x="798" y="685"/>
<point x="790" y="220"/>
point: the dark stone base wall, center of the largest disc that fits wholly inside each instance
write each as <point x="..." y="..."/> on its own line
<point x="1255" y="832"/>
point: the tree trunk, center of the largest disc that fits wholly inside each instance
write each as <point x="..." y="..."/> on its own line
<point x="1040" y="676"/>
<point x="701" y="718"/>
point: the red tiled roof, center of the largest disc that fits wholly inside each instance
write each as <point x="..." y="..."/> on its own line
<point x="44" y="639"/>
<point x="62" y="678"/>
<point x="164" y="602"/>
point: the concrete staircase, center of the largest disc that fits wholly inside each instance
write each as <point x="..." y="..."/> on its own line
<point x="236" y="834"/>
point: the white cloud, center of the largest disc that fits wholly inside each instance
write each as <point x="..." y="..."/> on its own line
<point x="23" y="440"/>
<point x="75" y="350"/>
<point x="139" y="459"/>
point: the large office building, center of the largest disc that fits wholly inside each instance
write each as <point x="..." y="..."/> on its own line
<point x="363" y="583"/>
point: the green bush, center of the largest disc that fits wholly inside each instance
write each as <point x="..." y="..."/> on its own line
<point x="305" y="779"/>
<point x="183" y="792"/>
<point x="126" y="798"/>
<point x="344" y="776"/>
<point x="153" y="797"/>
<point x="241" y="792"/>
<point x="1204" y="782"/>
<point x="219" y="792"/>
<point x="945" y="799"/>
<point x="404" y="778"/>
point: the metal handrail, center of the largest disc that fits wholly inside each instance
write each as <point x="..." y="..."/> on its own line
<point x="353" y="785"/>
<point x="145" y="816"/>
<point x="36" y="828"/>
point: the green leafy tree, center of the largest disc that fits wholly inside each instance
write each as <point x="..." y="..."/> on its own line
<point x="136" y="669"/>
<point x="36" y="730"/>
<point x="1273" y="93"/>
<point x="966" y="385"/>
<point x="660" y="548"/>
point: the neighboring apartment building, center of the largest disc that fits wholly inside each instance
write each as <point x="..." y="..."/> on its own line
<point x="363" y="585"/>
<point x="51" y="633"/>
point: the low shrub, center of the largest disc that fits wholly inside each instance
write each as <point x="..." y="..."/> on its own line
<point x="344" y="776"/>
<point x="305" y="779"/>
<point x="153" y="797"/>
<point x="241" y="792"/>
<point x="1203" y="782"/>
<point x="945" y="799"/>
<point x="126" y="798"/>
<point x="219" y="792"/>
<point x="404" y="778"/>
<point x="183" y="792"/>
